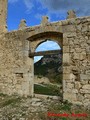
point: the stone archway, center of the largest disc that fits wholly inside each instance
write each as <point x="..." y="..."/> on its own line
<point x="37" y="39"/>
<point x="73" y="36"/>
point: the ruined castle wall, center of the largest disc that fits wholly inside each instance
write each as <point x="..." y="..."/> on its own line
<point x="16" y="68"/>
<point x="14" y="64"/>
<point x="76" y="69"/>
<point x="3" y="15"/>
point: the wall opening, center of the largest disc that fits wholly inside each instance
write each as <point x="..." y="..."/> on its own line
<point x="48" y="72"/>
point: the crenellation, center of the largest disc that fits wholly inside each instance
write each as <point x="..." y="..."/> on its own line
<point x="71" y="14"/>
<point x="22" y="24"/>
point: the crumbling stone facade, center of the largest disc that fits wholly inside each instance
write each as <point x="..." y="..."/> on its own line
<point x="3" y="15"/>
<point x="17" y="68"/>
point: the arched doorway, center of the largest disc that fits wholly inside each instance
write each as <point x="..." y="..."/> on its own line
<point x="34" y="42"/>
<point x="48" y="68"/>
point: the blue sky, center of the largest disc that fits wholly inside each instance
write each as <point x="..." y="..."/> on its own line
<point x="49" y="45"/>
<point x="32" y="10"/>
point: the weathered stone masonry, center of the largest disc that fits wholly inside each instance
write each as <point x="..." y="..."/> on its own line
<point x="16" y="67"/>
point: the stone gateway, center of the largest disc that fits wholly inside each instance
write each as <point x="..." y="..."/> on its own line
<point x="17" y="67"/>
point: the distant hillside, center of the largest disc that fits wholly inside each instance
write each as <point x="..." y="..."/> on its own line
<point x="49" y="66"/>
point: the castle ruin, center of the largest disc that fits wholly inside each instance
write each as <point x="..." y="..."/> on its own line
<point x="17" y="67"/>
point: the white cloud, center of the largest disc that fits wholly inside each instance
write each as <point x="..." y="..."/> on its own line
<point x="29" y="4"/>
<point x="82" y="7"/>
<point x="49" y="45"/>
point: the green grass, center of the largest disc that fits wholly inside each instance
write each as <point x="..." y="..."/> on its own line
<point x="47" y="90"/>
<point x="2" y="95"/>
<point x="10" y="101"/>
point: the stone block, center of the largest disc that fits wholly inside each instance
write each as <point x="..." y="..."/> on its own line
<point x="71" y="97"/>
<point x="82" y="56"/>
<point x="83" y="82"/>
<point x="78" y="50"/>
<point x="18" y="87"/>
<point x="66" y="69"/>
<point x="86" y="87"/>
<point x="87" y="96"/>
<point x="66" y="58"/>
<point x="83" y="76"/>
<point x="86" y="101"/>
<point x="76" y="56"/>
<point x="78" y="103"/>
<point x="65" y="41"/>
<point x="85" y="91"/>
<point x="70" y="85"/>
<point x="65" y="49"/>
<point x="78" y="85"/>
<point x="66" y="76"/>
<point x="71" y="42"/>
<point x="80" y="97"/>
<point x="75" y="91"/>
<point x="72" y="77"/>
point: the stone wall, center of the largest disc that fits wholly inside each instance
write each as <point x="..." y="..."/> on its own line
<point x="17" y="69"/>
<point x="3" y="15"/>
<point x="77" y="68"/>
<point x="14" y="73"/>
